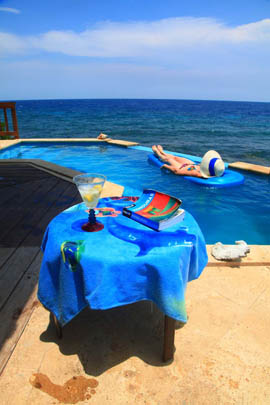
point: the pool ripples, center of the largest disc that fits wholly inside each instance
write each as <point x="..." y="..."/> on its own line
<point x="224" y="214"/>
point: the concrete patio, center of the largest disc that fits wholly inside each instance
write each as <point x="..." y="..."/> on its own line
<point x="222" y="354"/>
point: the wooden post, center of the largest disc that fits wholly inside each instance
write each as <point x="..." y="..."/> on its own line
<point x="168" y="343"/>
<point x="6" y="119"/>
<point x="58" y="327"/>
<point x="7" y="131"/>
<point x="14" y="122"/>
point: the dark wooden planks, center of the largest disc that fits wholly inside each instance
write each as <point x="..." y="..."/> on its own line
<point x="29" y="237"/>
<point x="16" y="313"/>
<point x="29" y="198"/>
<point x="19" y="173"/>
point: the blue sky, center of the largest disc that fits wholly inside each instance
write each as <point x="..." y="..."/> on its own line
<point x="176" y="49"/>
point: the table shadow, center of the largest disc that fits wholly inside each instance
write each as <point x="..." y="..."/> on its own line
<point x="103" y="339"/>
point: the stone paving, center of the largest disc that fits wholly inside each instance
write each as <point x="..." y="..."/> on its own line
<point x="222" y="354"/>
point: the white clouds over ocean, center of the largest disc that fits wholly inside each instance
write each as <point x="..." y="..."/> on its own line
<point x="140" y="39"/>
<point x="183" y="57"/>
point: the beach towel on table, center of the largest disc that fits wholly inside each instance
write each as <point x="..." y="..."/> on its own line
<point x="124" y="263"/>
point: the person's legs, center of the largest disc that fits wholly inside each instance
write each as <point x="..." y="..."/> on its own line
<point x="167" y="157"/>
<point x="177" y="164"/>
<point x="160" y="148"/>
<point x="161" y="151"/>
<point x="162" y="156"/>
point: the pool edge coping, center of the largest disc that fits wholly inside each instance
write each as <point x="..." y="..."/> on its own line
<point x="243" y="166"/>
<point x="259" y="254"/>
<point x="5" y="143"/>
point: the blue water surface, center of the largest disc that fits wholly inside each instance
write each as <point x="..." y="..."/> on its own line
<point x="237" y="130"/>
<point x="226" y="215"/>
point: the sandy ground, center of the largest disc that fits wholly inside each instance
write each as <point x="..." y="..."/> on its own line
<point x="222" y="354"/>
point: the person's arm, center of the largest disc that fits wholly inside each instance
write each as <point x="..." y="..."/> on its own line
<point x="169" y="167"/>
<point x="184" y="171"/>
<point x="193" y="171"/>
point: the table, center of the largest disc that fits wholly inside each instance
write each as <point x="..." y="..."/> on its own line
<point x="124" y="263"/>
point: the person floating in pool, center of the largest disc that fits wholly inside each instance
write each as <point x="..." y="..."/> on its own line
<point x="211" y="165"/>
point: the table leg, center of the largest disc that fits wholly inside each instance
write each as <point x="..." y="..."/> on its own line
<point x="168" y="343"/>
<point x="58" y="327"/>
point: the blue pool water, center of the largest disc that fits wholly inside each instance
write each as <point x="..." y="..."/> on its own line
<point x="237" y="130"/>
<point x="226" y="215"/>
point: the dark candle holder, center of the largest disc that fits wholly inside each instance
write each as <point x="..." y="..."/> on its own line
<point x="92" y="225"/>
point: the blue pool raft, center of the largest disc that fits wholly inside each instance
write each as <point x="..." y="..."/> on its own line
<point x="228" y="179"/>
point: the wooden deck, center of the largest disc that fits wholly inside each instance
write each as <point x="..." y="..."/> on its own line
<point x="31" y="194"/>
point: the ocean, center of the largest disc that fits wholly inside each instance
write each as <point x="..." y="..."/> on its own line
<point x="239" y="131"/>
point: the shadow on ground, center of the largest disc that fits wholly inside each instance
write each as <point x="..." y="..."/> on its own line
<point x="103" y="339"/>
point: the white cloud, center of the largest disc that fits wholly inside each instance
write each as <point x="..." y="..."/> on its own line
<point x="142" y="39"/>
<point x="170" y="58"/>
<point x="10" y="10"/>
<point x="12" y="44"/>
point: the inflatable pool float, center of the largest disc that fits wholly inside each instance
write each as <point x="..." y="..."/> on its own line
<point x="228" y="179"/>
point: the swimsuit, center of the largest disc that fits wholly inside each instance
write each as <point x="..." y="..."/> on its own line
<point x="188" y="164"/>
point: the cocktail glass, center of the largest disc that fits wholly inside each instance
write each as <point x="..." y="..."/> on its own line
<point x="90" y="186"/>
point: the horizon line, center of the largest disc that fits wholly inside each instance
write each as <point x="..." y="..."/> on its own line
<point x="136" y="98"/>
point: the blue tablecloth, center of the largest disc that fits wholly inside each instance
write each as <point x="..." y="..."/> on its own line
<point x="124" y="263"/>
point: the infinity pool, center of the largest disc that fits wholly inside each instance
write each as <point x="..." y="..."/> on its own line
<point x="224" y="214"/>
